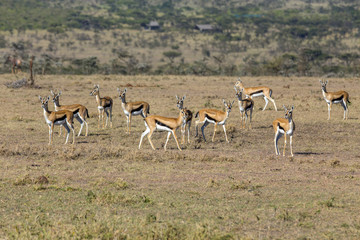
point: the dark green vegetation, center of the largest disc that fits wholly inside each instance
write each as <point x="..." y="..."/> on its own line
<point x="274" y="37"/>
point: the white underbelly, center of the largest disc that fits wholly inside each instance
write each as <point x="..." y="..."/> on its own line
<point x="210" y="121"/>
<point x="163" y="128"/>
<point x="257" y="95"/>
<point x="100" y="108"/>
<point x="136" y="113"/>
<point x="126" y="113"/>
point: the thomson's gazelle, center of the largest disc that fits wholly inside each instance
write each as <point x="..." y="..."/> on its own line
<point x="64" y="118"/>
<point x="257" y="92"/>
<point x="245" y="105"/>
<point x="132" y="108"/>
<point x="180" y="105"/>
<point x="214" y="116"/>
<point x="284" y="126"/>
<point x="341" y="97"/>
<point x="80" y="112"/>
<point x="163" y="124"/>
<point x="104" y="105"/>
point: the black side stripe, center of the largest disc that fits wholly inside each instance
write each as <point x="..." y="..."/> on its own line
<point x="162" y="124"/>
<point x="260" y="91"/>
<point x="60" y="119"/>
<point x="137" y="109"/>
<point x="210" y="118"/>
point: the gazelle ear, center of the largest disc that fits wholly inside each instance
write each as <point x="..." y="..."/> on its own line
<point x="320" y="81"/>
<point x="125" y="90"/>
<point x="183" y="98"/>
<point x="232" y="103"/>
<point x="98" y="86"/>
<point x="176" y="97"/>
<point x="48" y="98"/>
<point x="284" y="108"/>
<point x="326" y="81"/>
<point x="52" y="93"/>
<point x="40" y="98"/>
<point x="292" y="107"/>
<point x="118" y="89"/>
<point x="224" y="101"/>
<point x="59" y="93"/>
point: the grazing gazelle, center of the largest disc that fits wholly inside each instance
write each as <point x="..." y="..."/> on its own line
<point x="163" y="124"/>
<point x="217" y="117"/>
<point x="80" y="112"/>
<point x="133" y="108"/>
<point x="63" y="117"/>
<point x="104" y="105"/>
<point x="341" y="97"/>
<point x="180" y="105"/>
<point x="257" y="92"/>
<point x="284" y="126"/>
<point x="245" y="105"/>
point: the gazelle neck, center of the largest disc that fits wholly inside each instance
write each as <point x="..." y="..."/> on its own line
<point x="324" y="92"/>
<point x="46" y="112"/>
<point x="56" y="104"/>
<point x="97" y="97"/>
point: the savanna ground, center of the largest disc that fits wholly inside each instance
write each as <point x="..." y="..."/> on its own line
<point x="104" y="187"/>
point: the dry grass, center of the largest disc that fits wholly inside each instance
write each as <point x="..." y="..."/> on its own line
<point x="104" y="187"/>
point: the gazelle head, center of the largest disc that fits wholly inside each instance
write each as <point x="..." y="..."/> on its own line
<point x="180" y="102"/>
<point x="323" y="84"/>
<point x="55" y="96"/>
<point x="228" y="105"/>
<point x="288" y="112"/>
<point x="238" y="93"/>
<point x="239" y="84"/>
<point x="122" y="94"/>
<point x="44" y="102"/>
<point x="95" y="91"/>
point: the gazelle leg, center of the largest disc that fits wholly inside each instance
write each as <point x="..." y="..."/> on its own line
<point x="345" y="109"/>
<point x="143" y="135"/>
<point x="197" y="122"/>
<point x="149" y="138"/>
<point x="273" y="101"/>
<point x="215" y="125"/>
<point x="284" y="144"/>
<point x="189" y="125"/>
<point x="277" y="136"/>
<point x="81" y="121"/>
<point x="68" y="132"/>
<point x="291" y="146"/>
<point x="329" y="110"/>
<point x="177" y="143"/>
<point x="87" y="127"/>
<point x="225" y="133"/>
<point x="246" y="117"/>
<point x="129" y="124"/>
<point x="167" y="139"/>
<point x="266" y="102"/>
<point x="60" y="127"/>
<point x="203" y="128"/>
<point x="111" y="117"/>
<point x="99" y="118"/>
<point x="183" y="133"/>
<point x="107" y="117"/>
<point x="251" y="110"/>
<point x="50" y="135"/>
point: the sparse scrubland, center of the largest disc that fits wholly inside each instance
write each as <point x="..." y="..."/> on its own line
<point x="104" y="187"/>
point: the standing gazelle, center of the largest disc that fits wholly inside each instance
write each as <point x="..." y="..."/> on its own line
<point x="284" y="126"/>
<point x="257" y="92"/>
<point x="245" y="105"/>
<point x="215" y="116"/>
<point x="104" y="105"/>
<point x="80" y="112"/>
<point x="132" y="108"/>
<point x="341" y="97"/>
<point x="63" y="117"/>
<point x="163" y="124"/>
<point x="180" y="105"/>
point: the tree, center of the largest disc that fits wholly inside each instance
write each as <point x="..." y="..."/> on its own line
<point x="171" y="55"/>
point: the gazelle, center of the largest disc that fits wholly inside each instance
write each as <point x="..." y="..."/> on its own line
<point x="284" y="126"/>
<point x="15" y="64"/>
<point x="245" y="105"/>
<point x="80" y="112"/>
<point x="163" y="124"/>
<point x="341" y="97"/>
<point x="63" y="117"/>
<point x="180" y="105"/>
<point x="132" y="108"/>
<point x="104" y="105"/>
<point x="257" y="92"/>
<point x="217" y="117"/>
